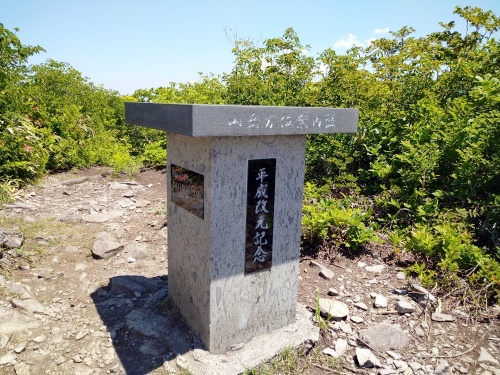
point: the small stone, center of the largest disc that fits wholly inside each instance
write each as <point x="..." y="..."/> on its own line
<point x="384" y="336"/>
<point x="341" y="346"/>
<point x="40" y="339"/>
<point x="77" y="359"/>
<point x="105" y="246"/>
<point x="438" y="317"/>
<point x="331" y="353"/>
<point x="7" y="359"/>
<point x="366" y="359"/>
<point x="380" y="301"/>
<point x="30" y="305"/>
<point x="80" y="335"/>
<point x="393" y="355"/>
<point x="181" y="362"/>
<point x="11" y="241"/>
<point x="415" y="366"/>
<point x="326" y="273"/>
<point x="60" y="360"/>
<point x="22" y="369"/>
<point x="4" y="339"/>
<point x="333" y="292"/>
<point x="128" y="194"/>
<point x="344" y="327"/>
<point x="20" y="348"/>
<point x="401" y="276"/>
<point x="443" y="368"/>
<point x="356" y="319"/>
<point x="361" y="264"/>
<point x="421" y="294"/>
<point x="131" y="260"/>
<point x="333" y="308"/>
<point x="400" y="365"/>
<point x="386" y="371"/>
<point x="376" y="268"/>
<point x="487" y="358"/>
<point x="419" y="332"/>
<point x="404" y="307"/>
<point x="361" y="306"/>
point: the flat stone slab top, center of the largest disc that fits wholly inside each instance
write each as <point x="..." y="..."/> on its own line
<point x="197" y="120"/>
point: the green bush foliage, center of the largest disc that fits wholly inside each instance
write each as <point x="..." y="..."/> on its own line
<point x="155" y="154"/>
<point x="422" y="171"/>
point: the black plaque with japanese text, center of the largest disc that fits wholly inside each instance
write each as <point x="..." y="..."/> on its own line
<point x="187" y="189"/>
<point x="260" y="214"/>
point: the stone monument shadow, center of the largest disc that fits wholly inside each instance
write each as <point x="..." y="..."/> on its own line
<point x="145" y="328"/>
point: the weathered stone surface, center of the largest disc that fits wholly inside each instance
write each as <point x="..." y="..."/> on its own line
<point x="366" y="359"/>
<point x="4" y="339"/>
<point x="333" y="308"/>
<point x="333" y="292"/>
<point x="341" y="346"/>
<point x="7" y="358"/>
<point x="11" y="241"/>
<point x="376" y="268"/>
<point x="136" y="250"/>
<point x="105" y="246"/>
<point x="128" y="193"/>
<point x="70" y="217"/>
<point x="75" y="181"/>
<point x="361" y="306"/>
<point x="404" y="307"/>
<point x="384" y="336"/>
<point x="30" y="305"/>
<point x="101" y="217"/>
<point x="19" y="289"/>
<point x="12" y="321"/>
<point x="380" y="301"/>
<point x="422" y="295"/>
<point x="356" y="319"/>
<point x="486" y="357"/>
<point x="22" y="369"/>
<point x="443" y="368"/>
<point x="331" y="352"/>
<point x="326" y="273"/>
<point x="439" y="317"/>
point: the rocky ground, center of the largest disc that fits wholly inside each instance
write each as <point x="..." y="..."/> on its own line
<point x="83" y="291"/>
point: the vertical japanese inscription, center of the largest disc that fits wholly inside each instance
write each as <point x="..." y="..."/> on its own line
<point x="260" y="214"/>
<point x="187" y="189"/>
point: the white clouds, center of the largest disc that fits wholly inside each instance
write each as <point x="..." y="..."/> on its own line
<point x="347" y="42"/>
<point x="351" y="40"/>
<point x="377" y="31"/>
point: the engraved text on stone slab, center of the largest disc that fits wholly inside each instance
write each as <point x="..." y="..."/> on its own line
<point x="187" y="189"/>
<point x="260" y="214"/>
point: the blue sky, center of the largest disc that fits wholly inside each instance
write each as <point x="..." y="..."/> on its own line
<point x="125" y="45"/>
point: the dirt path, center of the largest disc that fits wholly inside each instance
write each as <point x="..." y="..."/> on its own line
<point x="64" y="311"/>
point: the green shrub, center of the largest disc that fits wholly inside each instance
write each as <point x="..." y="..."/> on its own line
<point x="23" y="155"/>
<point x="342" y="220"/>
<point x="155" y="154"/>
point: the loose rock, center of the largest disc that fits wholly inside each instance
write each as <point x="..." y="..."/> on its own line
<point x="376" y="269"/>
<point x="384" y="336"/>
<point x="106" y="246"/>
<point x="404" y="307"/>
<point x="333" y="308"/>
<point x="366" y="359"/>
<point x="486" y="357"/>
<point x="438" y="317"/>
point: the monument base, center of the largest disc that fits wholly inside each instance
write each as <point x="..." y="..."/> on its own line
<point x="252" y="353"/>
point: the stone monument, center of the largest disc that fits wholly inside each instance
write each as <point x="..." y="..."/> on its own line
<point x="235" y="182"/>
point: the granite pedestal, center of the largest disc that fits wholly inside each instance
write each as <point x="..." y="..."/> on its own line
<point x="235" y="183"/>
